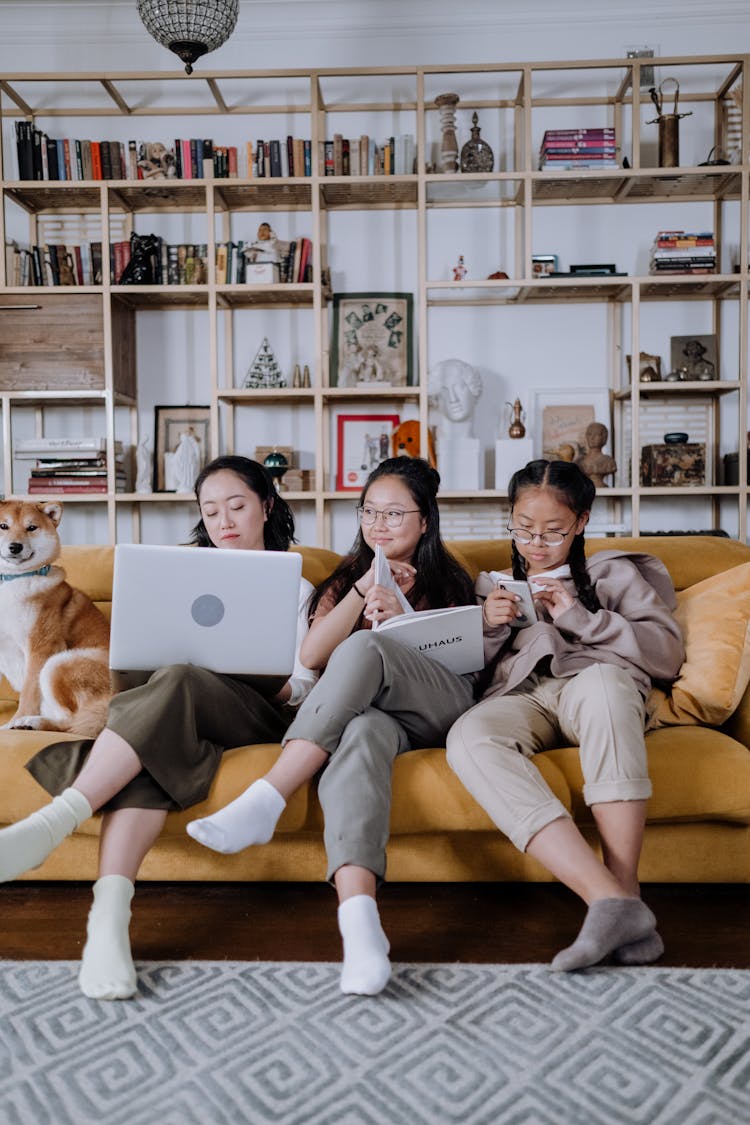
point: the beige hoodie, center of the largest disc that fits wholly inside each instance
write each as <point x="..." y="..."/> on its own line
<point x="634" y="629"/>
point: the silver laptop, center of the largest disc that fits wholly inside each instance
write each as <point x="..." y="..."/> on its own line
<point x="230" y="611"/>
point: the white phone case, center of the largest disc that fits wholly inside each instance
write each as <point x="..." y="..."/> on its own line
<point x="526" y="605"/>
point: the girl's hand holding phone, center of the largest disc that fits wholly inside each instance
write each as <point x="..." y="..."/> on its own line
<point x="553" y="596"/>
<point x="501" y="607"/>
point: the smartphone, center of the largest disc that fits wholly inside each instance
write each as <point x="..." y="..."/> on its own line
<point x="526" y="605"/>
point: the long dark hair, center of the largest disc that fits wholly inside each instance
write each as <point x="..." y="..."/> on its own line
<point x="576" y="491"/>
<point x="440" y="580"/>
<point x="278" y="530"/>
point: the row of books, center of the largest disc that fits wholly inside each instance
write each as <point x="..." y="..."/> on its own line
<point x="70" y="465"/>
<point x="578" y="148"/>
<point x="679" y="251"/>
<point x="53" y="264"/>
<point x="234" y="267"/>
<point x="363" y="156"/>
<point x="41" y="157"/>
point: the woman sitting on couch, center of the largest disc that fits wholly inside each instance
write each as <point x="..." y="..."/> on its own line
<point x="163" y="741"/>
<point x="376" y="699"/>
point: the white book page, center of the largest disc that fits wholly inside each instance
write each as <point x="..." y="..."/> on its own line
<point x="383" y="577"/>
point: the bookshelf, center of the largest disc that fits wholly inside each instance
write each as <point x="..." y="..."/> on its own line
<point x="386" y="233"/>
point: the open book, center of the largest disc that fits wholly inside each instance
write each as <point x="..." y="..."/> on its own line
<point x="452" y="636"/>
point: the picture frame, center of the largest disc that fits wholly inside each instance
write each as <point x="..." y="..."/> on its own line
<point x="373" y="340"/>
<point x="649" y="367"/>
<point x="561" y="417"/>
<point x="170" y="422"/>
<point x="695" y="356"/>
<point x="542" y="265"/>
<point x="362" y="442"/>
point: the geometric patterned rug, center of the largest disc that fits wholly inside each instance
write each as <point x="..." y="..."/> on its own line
<point x="228" y="1043"/>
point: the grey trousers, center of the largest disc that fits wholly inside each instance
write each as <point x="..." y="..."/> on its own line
<point x="600" y="710"/>
<point x="376" y="699"/>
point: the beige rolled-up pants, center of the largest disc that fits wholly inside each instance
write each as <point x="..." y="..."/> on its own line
<point x="491" y="747"/>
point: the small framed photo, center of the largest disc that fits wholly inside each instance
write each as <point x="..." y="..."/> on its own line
<point x="362" y="442"/>
<point x="372" y="341"/>
<point x="694" y="357"/>
<point x="542" y="265"/>
<point x="181" y="446"/>
<point x="561" y="418"/>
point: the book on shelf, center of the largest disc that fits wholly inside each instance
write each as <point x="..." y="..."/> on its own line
<point x="59" y="447"/>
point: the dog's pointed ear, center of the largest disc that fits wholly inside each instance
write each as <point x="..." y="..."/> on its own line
<point x="53" y="510"/>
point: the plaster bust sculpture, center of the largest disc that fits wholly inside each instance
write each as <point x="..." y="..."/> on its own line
<point x="594" y="463"/>
<point x="455" y="387"/>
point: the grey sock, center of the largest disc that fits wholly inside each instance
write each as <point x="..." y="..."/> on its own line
<point x="643" y="952"/>
<point x="609" y="924"/>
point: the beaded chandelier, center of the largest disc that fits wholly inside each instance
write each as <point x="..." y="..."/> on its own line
<point x="190" y="28"/>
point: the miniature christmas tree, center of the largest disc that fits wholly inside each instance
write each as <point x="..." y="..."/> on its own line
<point x="264" y="371"/>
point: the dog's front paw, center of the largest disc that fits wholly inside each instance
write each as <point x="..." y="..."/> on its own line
<point x="26" y="722"/>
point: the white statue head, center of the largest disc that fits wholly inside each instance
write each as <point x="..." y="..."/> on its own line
<point x="455" y="387"/>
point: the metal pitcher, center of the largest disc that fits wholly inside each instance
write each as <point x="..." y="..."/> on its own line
<point x="669" y="133"/>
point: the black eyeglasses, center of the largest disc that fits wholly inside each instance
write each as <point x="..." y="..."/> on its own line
<point x="392" y="517"/>
<point x="547" y="538"/>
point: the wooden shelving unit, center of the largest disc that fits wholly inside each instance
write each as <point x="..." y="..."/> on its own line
<point x="523" y="98"/>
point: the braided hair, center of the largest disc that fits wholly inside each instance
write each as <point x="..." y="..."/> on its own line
<point x="577" y="492"/>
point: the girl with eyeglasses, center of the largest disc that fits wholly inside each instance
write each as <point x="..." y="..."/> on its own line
<point x="377" y="699"/>
<point x="578" y="676"/>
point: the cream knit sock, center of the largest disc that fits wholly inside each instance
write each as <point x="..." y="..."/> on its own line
<point x="107" y="970"/>
<point x="366" y="969"/>
<point x="28" y="843"/>
<point x="250" y="819"/>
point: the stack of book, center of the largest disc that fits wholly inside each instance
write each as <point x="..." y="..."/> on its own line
<point x="678" y="251"/>
<point x="565" y="149"/>
<point x="70" y="465"/>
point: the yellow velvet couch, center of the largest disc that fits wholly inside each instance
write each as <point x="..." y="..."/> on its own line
<point x="699" y="817"/>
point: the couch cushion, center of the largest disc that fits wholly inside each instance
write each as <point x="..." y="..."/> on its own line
<point x="697" y="774"/>
<point x="715" y="619"/>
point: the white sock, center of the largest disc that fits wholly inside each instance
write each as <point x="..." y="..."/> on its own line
<point x="28" y="843"/>
<point x="107" y="969"/>
<point x="250" y="819"/>
<point x="366" y="968"/>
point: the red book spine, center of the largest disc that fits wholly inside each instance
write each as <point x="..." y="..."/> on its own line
<point x="96" y="160"/>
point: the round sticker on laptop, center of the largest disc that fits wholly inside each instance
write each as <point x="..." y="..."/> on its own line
<point x="207" y="610"/>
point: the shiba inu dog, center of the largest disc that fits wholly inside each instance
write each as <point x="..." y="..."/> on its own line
<point x="54" y="642"/>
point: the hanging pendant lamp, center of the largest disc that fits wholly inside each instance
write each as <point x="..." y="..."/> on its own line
<point x="190" y="28"/>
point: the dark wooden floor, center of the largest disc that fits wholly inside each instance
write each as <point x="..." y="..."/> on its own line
<point x="702" y="925"/>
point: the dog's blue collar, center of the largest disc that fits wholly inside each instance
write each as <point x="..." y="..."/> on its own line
<point x="26" y="573"/>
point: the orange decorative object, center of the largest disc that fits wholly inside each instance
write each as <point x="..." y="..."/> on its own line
<point x="405" y="442"/>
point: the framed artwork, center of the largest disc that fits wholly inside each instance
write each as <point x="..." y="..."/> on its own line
<point x="362" y="442"/>
<point x="649" y="367"/>
<point x="542" y="265"/>
<point x="181" y="446"/>
<point x="694" y="357"/>
<point x="561" y="418"/>
<point x="372" y="340"/>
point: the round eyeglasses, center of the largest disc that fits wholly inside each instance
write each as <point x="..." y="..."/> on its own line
<point x="392" y="517"/>
<point x="547" y="538"/>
